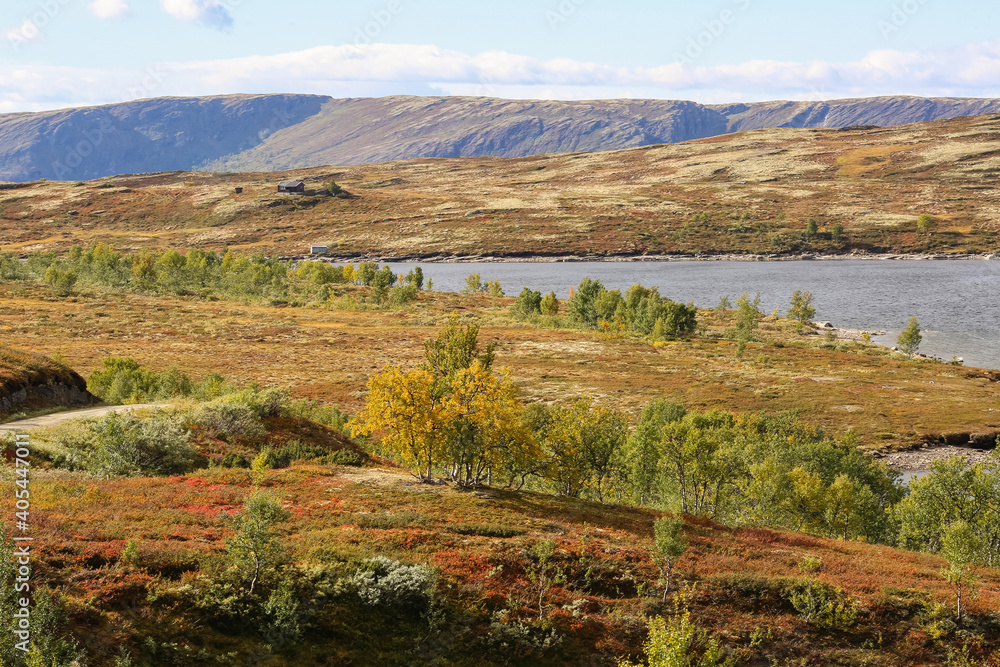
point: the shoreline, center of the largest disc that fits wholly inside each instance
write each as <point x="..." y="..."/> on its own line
<point x="555" y="259"/>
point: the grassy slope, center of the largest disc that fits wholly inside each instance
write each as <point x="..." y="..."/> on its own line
<point x="329" y="354"/>
<point x="341" y="516"/>
<point x="758" y="189"/>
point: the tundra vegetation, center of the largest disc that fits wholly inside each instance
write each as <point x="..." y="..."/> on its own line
<point x="456" y="518"/>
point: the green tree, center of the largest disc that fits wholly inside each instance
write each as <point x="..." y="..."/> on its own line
<point x="909" y="339"/>
<point x="924" y="224"/>
<point x="583" y="305"/>
<point x="416" y="277"/>
<point x="748" y="317"/>
<point x="456" y="348"/>
<point x="366" y="273"/>
<point x="642" y="451"/>
<point x="801" y="309"/>
<point x="837" y="232"/>
<point x="474" y="284"/>
<point x="255" y="546"/>
<point x="698" y="456"/>
<point x="584" y="445"/>
<point x="528" y="302"/>
<point x="669" y="544"/>
<point x="549" y="304"/>
<point x="381" y="282"/>
<point x="543" y="573"/>
<point x="953" y="492"/>
<point x="494" y="289"/>
<point x="962" y="548"/>
<point x="60" y="280"/>
<point x="812" y="228"/>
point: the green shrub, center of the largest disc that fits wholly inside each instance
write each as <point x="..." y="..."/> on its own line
<point x="263" y="403"/>
<point x="344" y="457"/>
<point x="822" y="605"/>
<point x="528" y="303"/>
<point x="487" y="530"/>
<point x="328" y="415"/>
<point x="295" y="450"/>
<point x="123" y="381"/>
<point x="235" y="460"/>
<point x="385" y="582"/>
<point x="402" y="295"/>
<point x="60" y="280"/>
<point x="124" y="444"/>
<point x="389" y="521"/>
<point x="227" y="419"/>
<point x="281" y="625"/>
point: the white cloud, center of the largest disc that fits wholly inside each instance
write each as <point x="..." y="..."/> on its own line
<point x="108" y="9"/>
<point x="212" y="13"/>
<point x="385" y="69"/>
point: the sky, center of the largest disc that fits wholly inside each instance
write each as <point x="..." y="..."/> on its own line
<point x="65" y="53"/>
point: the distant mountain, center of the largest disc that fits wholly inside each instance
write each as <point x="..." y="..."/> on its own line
<point x="162" y="134"/>
<point x="883" y="111"/>
<point x="273" y="132"/>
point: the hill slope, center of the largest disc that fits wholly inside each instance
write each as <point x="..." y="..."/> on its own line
<point x="268" y="132"/>
<point x="745" y="193"/>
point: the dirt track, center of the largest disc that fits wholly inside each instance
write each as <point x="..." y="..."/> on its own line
<point x="60" y="417"/>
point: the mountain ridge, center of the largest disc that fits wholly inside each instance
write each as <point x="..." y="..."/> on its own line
<point x="288" y="131"/>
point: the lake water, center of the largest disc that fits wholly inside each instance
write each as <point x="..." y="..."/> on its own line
<point x="957" y="302"/>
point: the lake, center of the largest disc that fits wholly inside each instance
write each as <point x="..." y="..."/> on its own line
<point x="956" y="301"/>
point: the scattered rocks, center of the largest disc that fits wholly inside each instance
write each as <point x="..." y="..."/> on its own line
<point x="921" y="459"/>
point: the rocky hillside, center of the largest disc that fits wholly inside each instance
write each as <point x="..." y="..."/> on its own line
<point x="272" y="132"/>
<point x="148" y="135"/>
<point x="35" y="381"/>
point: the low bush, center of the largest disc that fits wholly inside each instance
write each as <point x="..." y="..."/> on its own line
<point x="235" y="460"/>
<point x="344" y="457"/>
<point x="328" y="415"/>
<point x="226" y="419"/>
<point x="487" y="530"/>
<point x="124" y="444"/>
<point x="385" y="582"/>
<point x="123" y="381"/>
<point x="295" y="450"/>
<point x="388" y="521"/>
<point x="822" y="605"/>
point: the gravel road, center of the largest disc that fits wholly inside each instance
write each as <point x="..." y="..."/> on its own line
<point x="60" y="417"/>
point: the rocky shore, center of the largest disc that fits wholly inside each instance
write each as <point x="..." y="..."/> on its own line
<point x="921" y="459"/>
<point x="799" y="257"/>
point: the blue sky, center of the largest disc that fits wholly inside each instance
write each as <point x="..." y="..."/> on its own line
<point x="58" y="53"/>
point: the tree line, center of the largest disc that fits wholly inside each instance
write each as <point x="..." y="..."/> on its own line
<point x="458" y="417"/>
<point x="209" y="274"/>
